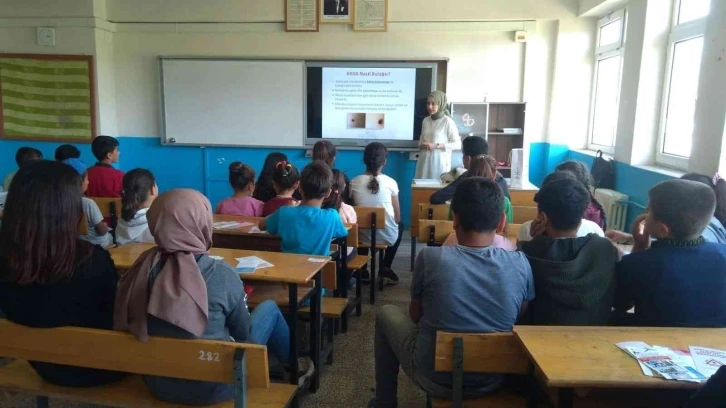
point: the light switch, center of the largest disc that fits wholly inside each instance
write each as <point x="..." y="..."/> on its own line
<point x="46" y="36"/>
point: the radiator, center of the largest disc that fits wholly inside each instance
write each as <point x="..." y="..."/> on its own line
<point x="615" y="205"/>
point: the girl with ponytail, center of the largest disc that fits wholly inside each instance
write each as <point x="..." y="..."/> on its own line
<point x="139" y="191"/>
<point x="242" y="180"/>
<point x="375" y="189"/>
<point x="285" y="180"/>
<point x="339" y="189"/>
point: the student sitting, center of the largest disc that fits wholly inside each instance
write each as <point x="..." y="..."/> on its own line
<point x="374" y="189"/>
<point x="97" y="228"/>
<point x="242" y="179"/>
<point x="23" y="157"/>
<point x="67" y="151"/>
<point x="176" y="290"/>
<point x="286" y="180"/>
<point x="595" y="211"/>
<point x="325" y="150"/>
<point x="104" y="180"/>
<point x="48" y="276"/>
<point x="677" y="280"/>
<point x="471" y="147"/>
<point x="574" y="276"/>
<point x="307" y="228"/>
<point x="472" y="287"/>
<point x="335" y="200"/>
<point x="264" y="189"/>
<point x="533" y="228"/>
<point x="140" y="191"/>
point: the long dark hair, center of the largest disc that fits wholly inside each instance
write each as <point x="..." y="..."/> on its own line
<point x="339" y="190"/>
<point x="581" y="172"/>
<point x="719" y="188"/>
<point x="483" y="166"/>
<point x="39" y="238"/>
<point x="325" y="150"/>
<point x="264" y="189"/>
<point x="285" y="175"/>
<point x="374" y="157"/>
<point x="240" y="176"/>
<point x="137" y="185"/>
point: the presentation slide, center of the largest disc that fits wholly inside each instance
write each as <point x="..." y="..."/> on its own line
<point x="368" y="103"/>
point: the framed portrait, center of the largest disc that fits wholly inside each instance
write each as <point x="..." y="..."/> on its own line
<point x="336" y="11"/>
<point x="370" y="15"/>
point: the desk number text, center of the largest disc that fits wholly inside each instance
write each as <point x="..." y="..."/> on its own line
<point x="208" y="356"/>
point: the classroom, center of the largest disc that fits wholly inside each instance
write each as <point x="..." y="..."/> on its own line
<point x="327" y="178"/>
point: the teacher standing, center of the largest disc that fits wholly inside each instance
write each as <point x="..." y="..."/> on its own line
<point x="439" y="137"/>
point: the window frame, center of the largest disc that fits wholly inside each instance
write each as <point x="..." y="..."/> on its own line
<point x="602" y="53"/>
<point x="679" y="33"/>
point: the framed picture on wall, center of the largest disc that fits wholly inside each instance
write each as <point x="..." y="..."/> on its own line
<point x="336" y="11"/>
<point x="301" y="15"/>
<point x="370" y="15"/>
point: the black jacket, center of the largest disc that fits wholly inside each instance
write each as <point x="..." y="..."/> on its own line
<point x="446" y="193"/>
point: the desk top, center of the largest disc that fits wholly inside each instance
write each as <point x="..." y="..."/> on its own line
<point x="289" y="268"/>
<point x="526" y="186"/>
<point x="572" y="357"/>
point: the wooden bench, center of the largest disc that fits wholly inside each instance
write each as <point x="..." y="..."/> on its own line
<point x="434" y="232"/>
<point x="488" y="353"/>
<point x="111" y="210"/>
<point x="434" y="212"/>
<point x="523" y="214"/>
<point x="241" y="364"/>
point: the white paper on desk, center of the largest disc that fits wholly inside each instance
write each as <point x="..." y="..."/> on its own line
<point x="633" y="347"/>
<point x="228" y="225"/>
<point x="350" y="250"/>
<point x="427" y="182"/>
<point x="708" y="360"/>
<point x="253" y="262"/>
<point x="256" y="230"/>
<point x="317" y="260"/>
<point x="683" y="359"/>
<point x="217" y="258"/>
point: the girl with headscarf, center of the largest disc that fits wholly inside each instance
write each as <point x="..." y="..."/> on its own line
<point x="439" y="137"/>
<point x="176" y="290"/>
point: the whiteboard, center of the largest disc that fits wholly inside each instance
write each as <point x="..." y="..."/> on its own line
<point x="232" y="102"/>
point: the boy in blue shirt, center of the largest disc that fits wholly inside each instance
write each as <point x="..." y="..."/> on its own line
<point x="306" y="228"/>
<point x="678" y="280"/>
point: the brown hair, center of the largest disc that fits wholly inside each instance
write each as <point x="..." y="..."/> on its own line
<point x="240" y="175"/>
<point x="325" y="150"/>
<point x="483" y="166"/>
<point x="374" y="157"/>
<point x="39" y="239"/>
<point x="339" y="191"/>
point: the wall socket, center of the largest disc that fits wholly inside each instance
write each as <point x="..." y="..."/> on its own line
<point x="45" y="36"/>
<point x="413" y="155"/>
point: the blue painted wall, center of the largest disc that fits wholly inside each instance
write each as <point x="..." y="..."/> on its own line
<point x="205" y="169"/>
<point x="633" y="181"/>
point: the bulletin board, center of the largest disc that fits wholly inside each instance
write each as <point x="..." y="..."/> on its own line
<point x="47" y="97"/>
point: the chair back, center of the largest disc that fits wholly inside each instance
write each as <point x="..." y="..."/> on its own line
<point x="203" y="360"/>
<point x="480" y="353"/>
<point x="368" y="217"/>
<point x="433" y="211"/>
<point x="523" y="214"/>
<point x="434" y="232"/>
<point x="83" y="225"/>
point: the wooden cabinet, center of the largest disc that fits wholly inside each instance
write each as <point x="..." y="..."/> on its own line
<point x="505" y="115"/>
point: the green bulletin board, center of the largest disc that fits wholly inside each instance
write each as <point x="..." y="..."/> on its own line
<point x="47" y="97"/>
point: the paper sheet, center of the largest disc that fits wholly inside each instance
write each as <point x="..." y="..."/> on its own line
<point x="231" y="224"/>
<point x="317" y="260"/>
<point x="217" y="258"/>
<point x="708" y="360"/>
<point x="252" y="262"/>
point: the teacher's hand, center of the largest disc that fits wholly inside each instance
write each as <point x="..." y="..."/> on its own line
<point x="428" y="146"/>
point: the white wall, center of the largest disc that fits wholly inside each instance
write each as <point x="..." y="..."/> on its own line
<point x="273" y="10"/>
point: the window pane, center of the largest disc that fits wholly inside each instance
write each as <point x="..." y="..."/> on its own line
<point x="682" y="97"/>
<point x="693" y="10"/>
<point x="605" y="112"/>
<point x="611" y="32"/>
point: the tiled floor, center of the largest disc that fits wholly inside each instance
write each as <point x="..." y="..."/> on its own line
<point x="350" y="381"/>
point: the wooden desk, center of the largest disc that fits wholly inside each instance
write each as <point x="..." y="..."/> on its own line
<point x="292" y="269"/>
<point x="422" y="194"/>
<point x="586" y="357"/>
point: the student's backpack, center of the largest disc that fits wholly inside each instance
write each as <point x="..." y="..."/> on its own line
<point x="603" y="172"/>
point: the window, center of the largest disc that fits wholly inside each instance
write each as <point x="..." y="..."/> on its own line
<point x="606" y="82"/>
<point x="680" y="93"/>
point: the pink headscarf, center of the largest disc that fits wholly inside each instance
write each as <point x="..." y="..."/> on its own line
<point x="181" y="223"/>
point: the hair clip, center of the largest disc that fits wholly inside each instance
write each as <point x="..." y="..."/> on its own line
<point x="335" y="192"/>
<point x="281" y="164"/>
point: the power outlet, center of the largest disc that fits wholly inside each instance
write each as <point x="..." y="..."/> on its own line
<point x="413" y="155"/>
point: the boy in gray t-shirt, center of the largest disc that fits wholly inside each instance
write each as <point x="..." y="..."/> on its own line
<point x="472" y="287"/>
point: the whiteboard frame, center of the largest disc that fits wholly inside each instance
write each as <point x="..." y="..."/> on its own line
<point x="162" y="119"/>
<point x="305" y="143"/>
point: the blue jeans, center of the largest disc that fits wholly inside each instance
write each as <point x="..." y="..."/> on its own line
<point x="270" y="328"/>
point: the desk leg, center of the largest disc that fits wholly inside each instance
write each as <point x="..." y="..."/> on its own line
<point x="343" y="254"/>
<point x="292" y="322"/>
<point x="413" y="251"/>
<point x="565" y="399"/>
<point x="315" y="334"/>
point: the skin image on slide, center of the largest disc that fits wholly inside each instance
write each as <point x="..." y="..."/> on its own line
<point x="356" y="121"/>
<point x="375" y="121"/>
